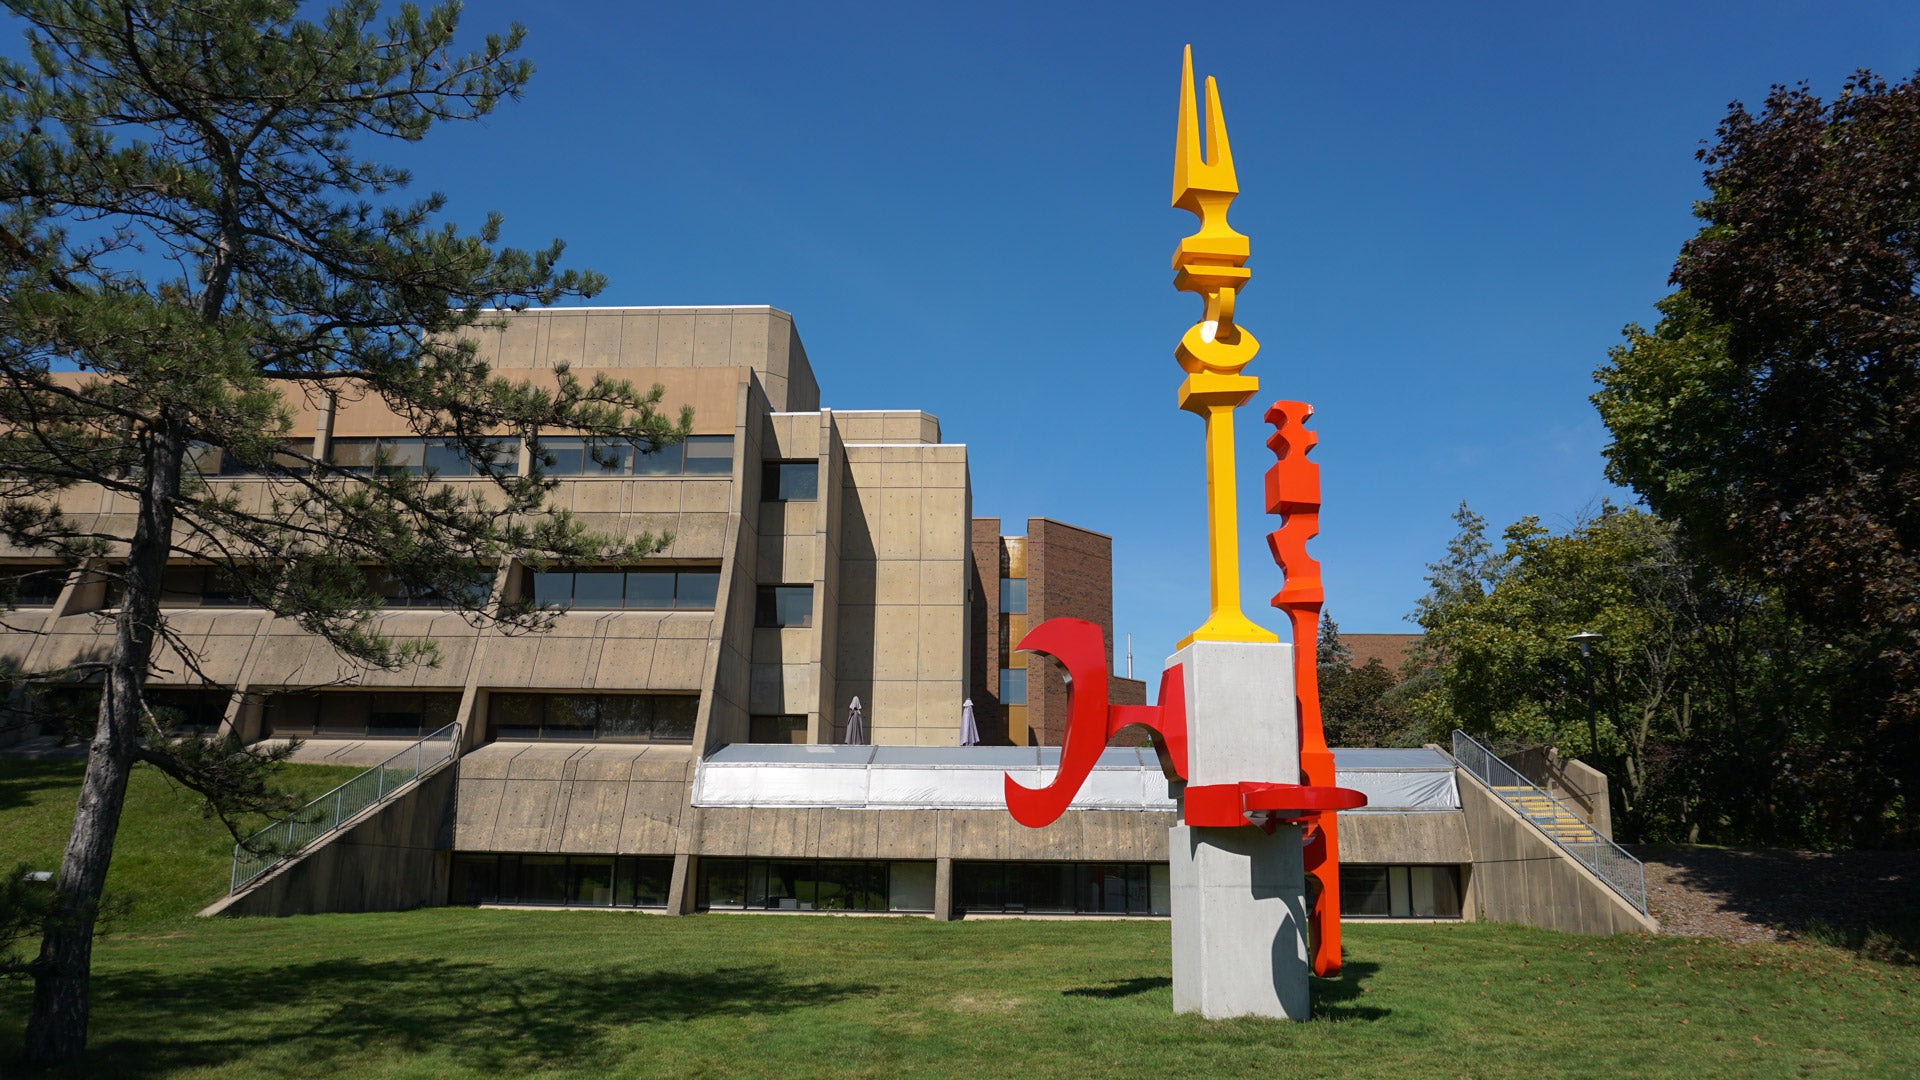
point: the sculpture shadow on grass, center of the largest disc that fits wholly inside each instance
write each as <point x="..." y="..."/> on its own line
<point x="1120" y="988"/>
<point x="485" y="1018"/>
<point x="1333" y="999"/>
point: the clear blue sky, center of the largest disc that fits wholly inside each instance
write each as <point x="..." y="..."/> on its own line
<point x="1453" y="208"/>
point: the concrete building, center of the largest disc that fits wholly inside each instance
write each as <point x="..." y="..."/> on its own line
<point x="677" y="741"/>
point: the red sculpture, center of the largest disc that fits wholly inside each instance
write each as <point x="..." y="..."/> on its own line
<point x="1293" y="491"/>
<point x="1091" y="721"/>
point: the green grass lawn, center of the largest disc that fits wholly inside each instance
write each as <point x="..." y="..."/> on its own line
<point x="169" y="859"/>
<point x="466" y="993"/>
<point x="456" y="993"/>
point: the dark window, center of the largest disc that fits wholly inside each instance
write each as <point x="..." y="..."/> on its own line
<point x="663" y="589"/>
<point x="200" y="586"/>
<point x="1400" y="892"/>
<point x="696" y="455"/>
<point x="357" y="713"/>
<point x="815" y="885"/>
<point x="783" y="605"/>
<point x="1013" y="686"/>
<point x="790" y="481"/>
<point x="396" y="593"/>
<point x="777" y="729"/>
<point x="1062" y="888"/>
<point x="288" y="457"/>
<point x="1013" y="596"/>
<point x="414" y="454"/>
<point x="622" y="717"/>
<point x="31" y="586"/>
<point x="189" y="711"/>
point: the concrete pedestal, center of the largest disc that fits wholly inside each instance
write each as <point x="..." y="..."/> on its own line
<point x="1239" y="895"/>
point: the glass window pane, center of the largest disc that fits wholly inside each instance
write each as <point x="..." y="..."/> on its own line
<point x="570" y="716"/>
<point x="786" y="605"/>
<point x="543" y="879"/>
<point x="723" y="882"/>
<point x="662" y="462"/>
<point x="696" y="590"/>
<point x="568" y="453"/>
<point x="1160" y="887"/>
<point x="980" y="886"/>
<point x="1013" y="596"/>
<point x="515" y="716"/>
<point x="650" y="590"/>
<point x="1399" y="895"/>
<point x="590" y="881"/>
<point x="602" y="457"/>
<point x="1013" y="686"/>
<point x="791" y="885"/>
<point x="626" y="716"/>
<point x="674" y="716"/>
<point x="355" y="455"/>
<point x="910" y="886"/>
<point x="709" y="455"/>
<point x="404" y="455"/>
<point x="445" y="459"/>
<point x="790" y="481"/>
<point x="553" y="587"/>
<point x="1363" y="891"/>
<point x="644" y="882"/>
<point x="598" y="589"/>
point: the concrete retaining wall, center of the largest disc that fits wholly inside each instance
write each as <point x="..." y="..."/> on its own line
<point x="1519" y="876"/>
<point x="392" y="860"/>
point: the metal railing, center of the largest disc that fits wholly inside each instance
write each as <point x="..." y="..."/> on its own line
<point x="1608" y="860"/>
<point x="280" y="841"/>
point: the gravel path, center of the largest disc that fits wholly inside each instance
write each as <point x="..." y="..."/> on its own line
<point x="1770" y="895"/>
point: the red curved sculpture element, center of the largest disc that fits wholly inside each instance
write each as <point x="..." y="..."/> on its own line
<point x="1091" y="720"/>
<point x="1265" y="805"/>
<point x="1293" y="491"/>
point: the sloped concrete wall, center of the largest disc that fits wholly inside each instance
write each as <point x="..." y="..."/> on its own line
<point x="1519" y="876"/>
<point x="394" y="860"/>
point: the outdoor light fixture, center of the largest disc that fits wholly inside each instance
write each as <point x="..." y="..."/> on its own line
<point x="1585" y="640"/>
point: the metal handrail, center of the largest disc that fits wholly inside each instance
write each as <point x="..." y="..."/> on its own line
<point x="1608" y="860"/>
<point x="264" y="850"/>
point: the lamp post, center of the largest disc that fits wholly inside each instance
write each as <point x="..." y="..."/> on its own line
<point x="1585" y="640"/>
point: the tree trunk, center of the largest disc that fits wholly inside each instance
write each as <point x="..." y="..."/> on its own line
<point x="57" y="1025"/>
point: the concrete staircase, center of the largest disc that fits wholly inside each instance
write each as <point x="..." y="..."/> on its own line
<point x="1552" y="816"/>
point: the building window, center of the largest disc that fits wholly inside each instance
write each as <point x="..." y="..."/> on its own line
<point x="790" y="481"/>
<point x="182" y="712"/>
<point x="696" y="455"/>
<point x="1013" y="686"/>
<point x="414" y="454"/>
<point x="783" y="605"/>
<point x="200" y="586"/>
<point x="347" y="714"/>
<point x="665" y="589"/>
<point x="1013" y="596"/>
<point x="1062" y="888"/>
<point x="1400" y="892"/>
<point x="561" y="880"/>
<point x="31" y="586"/>
<point x="788" y="729"/>
<point x="815" y="885"/>
<point x="610" y="717"/>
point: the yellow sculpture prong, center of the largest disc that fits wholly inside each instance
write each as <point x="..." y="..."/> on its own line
<point x="1211" y="263"/>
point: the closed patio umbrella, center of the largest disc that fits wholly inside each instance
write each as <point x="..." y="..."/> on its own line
<point x="856" y="731"/>
<point x="969" y="730"/>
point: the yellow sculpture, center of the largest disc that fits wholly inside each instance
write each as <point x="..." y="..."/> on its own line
<point x="1212" y="263"/>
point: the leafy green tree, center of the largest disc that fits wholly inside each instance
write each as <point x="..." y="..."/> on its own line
<point x="1774" y="412"/>
<point x="1715" y="713"/>
<point x="192" y="236"/>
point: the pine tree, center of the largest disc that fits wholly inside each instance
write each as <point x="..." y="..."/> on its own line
<point x="191" y="239"/>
